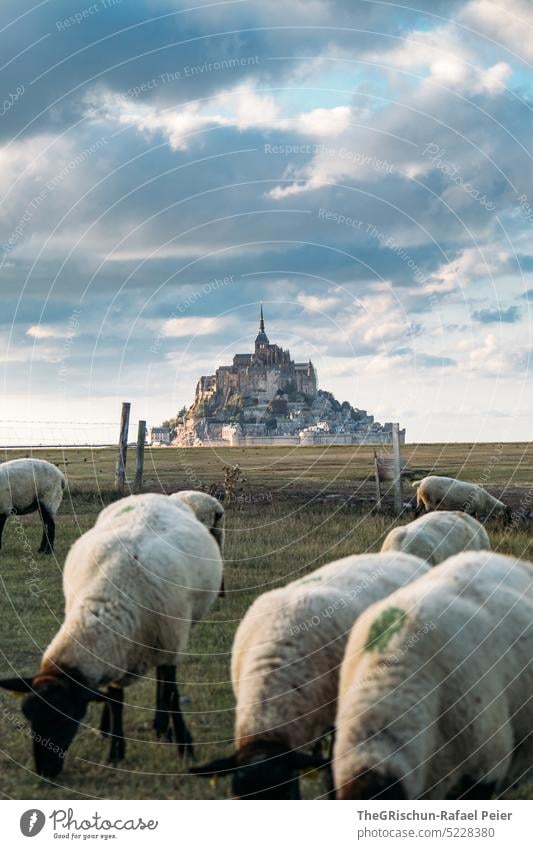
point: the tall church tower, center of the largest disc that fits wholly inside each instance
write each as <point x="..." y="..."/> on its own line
<point x="262" y="341"/>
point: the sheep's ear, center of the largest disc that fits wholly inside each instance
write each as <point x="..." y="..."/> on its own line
<point x="217" y="530"/>
<point x="225" y="765"/>
<point x="17" y="685"/>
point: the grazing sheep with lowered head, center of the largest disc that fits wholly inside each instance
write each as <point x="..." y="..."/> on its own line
<point x="440" y="493"/>
<point x="134" y="585"/>
<point x="436" y="685"/>
<point x="286" y="658"/>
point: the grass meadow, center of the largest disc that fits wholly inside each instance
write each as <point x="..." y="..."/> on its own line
<point x="288" y="471"/>
<point x="279" y="532"/>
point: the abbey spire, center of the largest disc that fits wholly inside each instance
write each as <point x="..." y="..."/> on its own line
<point x="262" y="339"/>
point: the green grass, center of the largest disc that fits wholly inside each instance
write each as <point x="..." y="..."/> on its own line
<point x="287" y="471"/>
<point x="268" y="544"/>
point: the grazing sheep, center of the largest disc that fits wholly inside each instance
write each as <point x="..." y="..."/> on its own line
<point x="436" y="685"/>
<point x="285" y="664"/>
<point x="439" y="493"/>
<point x="133" y="586"/>
<point x="27" y="486"/>
<point x="437" y="536"/>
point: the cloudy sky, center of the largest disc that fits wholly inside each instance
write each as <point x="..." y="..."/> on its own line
<point x="362" y="167"/>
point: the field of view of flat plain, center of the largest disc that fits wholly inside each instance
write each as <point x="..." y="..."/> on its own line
<point x="297" y="510"/>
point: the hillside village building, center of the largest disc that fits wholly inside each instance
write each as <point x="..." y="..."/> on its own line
<point x="264" y="398"/>
<point x="159" y="436"/>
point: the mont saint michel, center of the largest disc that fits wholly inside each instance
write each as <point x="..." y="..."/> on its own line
<point x="265" y="397"/>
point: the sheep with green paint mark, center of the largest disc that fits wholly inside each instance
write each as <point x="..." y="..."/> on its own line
<point x="285" y="666"/>
<point x="436" y="684"/>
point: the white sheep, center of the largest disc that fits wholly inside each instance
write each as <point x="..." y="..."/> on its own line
<point x="437" y="536"/>
<point x="440" y="493"/>
<point x="435" y="685"/>
<point x="27" y="486"/>
<point x="285" y="664"/>
<point x="133" y="587"/>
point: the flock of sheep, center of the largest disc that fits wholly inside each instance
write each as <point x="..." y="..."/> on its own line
<point x="412" y="667"/>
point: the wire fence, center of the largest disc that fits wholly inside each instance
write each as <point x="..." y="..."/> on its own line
<point x="20" y="433"/>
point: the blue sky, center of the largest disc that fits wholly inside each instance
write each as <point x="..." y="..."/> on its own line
<point x="362" y="167"/>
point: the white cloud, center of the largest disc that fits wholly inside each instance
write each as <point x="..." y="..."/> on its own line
<point x="316" y="303"/>
<point x="509" y="25"/>
<point x="246" y="108"/>
<point x="241" y="107"/>
<point x="44" y="331"/>
<point x="496" y="356"/>
<point x="438" y="65"/>
<point x="443" y="59"/>
<point x="195" y="326"/>
<point x="379" y="321"/>
<point x="471" y="264"/>
<point x="495" y="78"/>
<point x="324" y="122"/>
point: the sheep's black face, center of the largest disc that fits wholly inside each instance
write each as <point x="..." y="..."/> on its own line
<point x="266" y="777"/>
<point x="54" y="711"/>
<point x="263" y="770"/>
<point x="55" y="704"/>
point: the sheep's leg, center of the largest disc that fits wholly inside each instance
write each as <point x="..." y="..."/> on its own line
<point x="323" y="748"/>
<point x="49" y="529"/>
<point x="3" y="520"/>
<point x="105" y="720"/>
<point x="330" y="782"/>
<point x="162" y="717"/>
<point x="171" y="697"/>
<point x="182" y="734"/>
<point x="117" y="749"/>
<point x="420" y="506"/>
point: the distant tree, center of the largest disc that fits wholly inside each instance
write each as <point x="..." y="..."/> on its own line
<point x="290" y="389"/>
<point x="171" y="424"/>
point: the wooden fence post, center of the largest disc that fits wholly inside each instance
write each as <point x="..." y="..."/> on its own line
<point x="398" y="494"/>
<point x="120" y="474"/>
<point x="378" y="483"/>
<point x="139" y="464"/>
